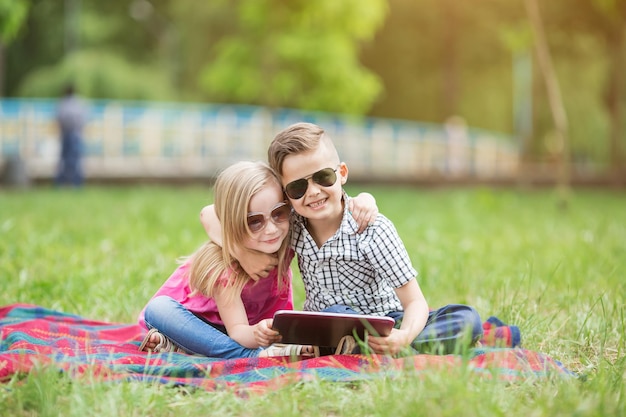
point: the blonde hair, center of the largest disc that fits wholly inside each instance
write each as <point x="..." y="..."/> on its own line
<point x="296" y="139"/>
<point x="233" y="189"/>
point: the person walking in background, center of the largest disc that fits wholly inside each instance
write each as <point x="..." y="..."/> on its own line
<point x="71" y="116"/>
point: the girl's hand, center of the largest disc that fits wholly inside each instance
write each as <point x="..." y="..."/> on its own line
<point x="364" y="210"/>
<point x="264" y="335"/>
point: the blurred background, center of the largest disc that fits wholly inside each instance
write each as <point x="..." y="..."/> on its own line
<point x="479" y="91"/>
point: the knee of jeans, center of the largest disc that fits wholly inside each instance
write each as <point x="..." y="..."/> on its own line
<point x="156" y="306"/>
<point x="472" y="318"/>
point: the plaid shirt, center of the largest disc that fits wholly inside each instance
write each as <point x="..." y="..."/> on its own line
<point x="357" y="270"/>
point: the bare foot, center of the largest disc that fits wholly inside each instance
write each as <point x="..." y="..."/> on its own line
<point x="152" y="339"/>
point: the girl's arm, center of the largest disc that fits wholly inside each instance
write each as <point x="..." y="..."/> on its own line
<point x="364" y="210"/>
<point x="233" y="314"/>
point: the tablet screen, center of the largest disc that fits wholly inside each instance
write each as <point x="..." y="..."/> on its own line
<point x="326" y="329"/>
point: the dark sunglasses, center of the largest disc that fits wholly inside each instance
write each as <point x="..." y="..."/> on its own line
<point x="325" y="177"/>
<point x="279" y="214"/>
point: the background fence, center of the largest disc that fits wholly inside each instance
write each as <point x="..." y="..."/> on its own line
<point x="129" y="140"/>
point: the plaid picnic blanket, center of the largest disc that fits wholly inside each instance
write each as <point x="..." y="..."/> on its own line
<point x="33" y="336"/>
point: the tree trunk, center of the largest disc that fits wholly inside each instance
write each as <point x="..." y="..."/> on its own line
<point x="614" y="101"/>
<point x="1" y="69"/>
<point x="450" y="58"/>
<point x="555" y="101"/>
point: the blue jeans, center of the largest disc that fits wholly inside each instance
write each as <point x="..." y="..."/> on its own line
<point x="191" y="333"/>
<point x="449" y="329"/>
<point x="70" y="171"/>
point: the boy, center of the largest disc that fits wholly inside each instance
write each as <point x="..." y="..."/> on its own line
<point x="344" y="271"/>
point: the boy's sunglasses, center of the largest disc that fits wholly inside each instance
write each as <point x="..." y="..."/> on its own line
<point x="279" y="214"/>
<point x="325" y="177"/>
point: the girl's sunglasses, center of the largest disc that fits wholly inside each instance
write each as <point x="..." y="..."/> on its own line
<point x="325" y="177"/>
<point x="279" y="214"/>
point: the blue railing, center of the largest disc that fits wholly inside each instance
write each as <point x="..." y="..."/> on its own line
<point x="148" y="139"/>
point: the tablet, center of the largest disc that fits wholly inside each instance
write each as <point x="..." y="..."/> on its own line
<point x="326" y="329"/>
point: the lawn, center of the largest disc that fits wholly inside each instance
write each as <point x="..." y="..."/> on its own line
<point x="101" y="252"/>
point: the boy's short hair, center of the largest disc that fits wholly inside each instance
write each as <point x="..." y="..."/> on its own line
<point x="293" y="140"/>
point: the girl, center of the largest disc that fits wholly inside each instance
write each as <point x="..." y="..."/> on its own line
<point x="209" y="305"/>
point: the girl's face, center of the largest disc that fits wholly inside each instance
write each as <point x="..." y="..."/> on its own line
<point x="273" y="220"/>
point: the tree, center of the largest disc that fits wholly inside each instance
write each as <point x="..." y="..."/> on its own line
<point x="613" y="13"/>
<point x="98" y="74"/>
<point x="555" y="100"/>
<point x="118" y="56"/>
<point x="605" y="22"/>
<point x="301" y="54"/>
<point x="438" y="58"/>
<point x="12" y="16"/>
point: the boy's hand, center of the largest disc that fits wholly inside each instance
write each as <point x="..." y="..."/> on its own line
<point x="264" y="335"/>
<point x="389" y="345"/>
<point x="256" y="264"/>
<point x="364" y="210"/>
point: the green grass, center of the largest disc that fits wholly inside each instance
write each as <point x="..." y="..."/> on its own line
<point x="102" y="252"/>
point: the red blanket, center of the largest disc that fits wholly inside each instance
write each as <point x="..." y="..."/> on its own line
<point x="32" y="336"/>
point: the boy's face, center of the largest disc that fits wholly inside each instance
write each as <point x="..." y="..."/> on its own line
<point x="319" y="202"/>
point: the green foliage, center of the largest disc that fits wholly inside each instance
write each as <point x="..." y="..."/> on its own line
<point x="99" y="74"/>
<point x="439" y="58"/>
<point x="13" y="14"/>
<point x="516" y="38"/>
<point x="101" y="252"/>
<point x="299" y="54"/>
<point x="585" y="108"/>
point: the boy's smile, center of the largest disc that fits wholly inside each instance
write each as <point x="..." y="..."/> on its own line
<point x="317" y="204"/>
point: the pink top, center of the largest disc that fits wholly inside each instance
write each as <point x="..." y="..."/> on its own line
<point x="261" y="299"/>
